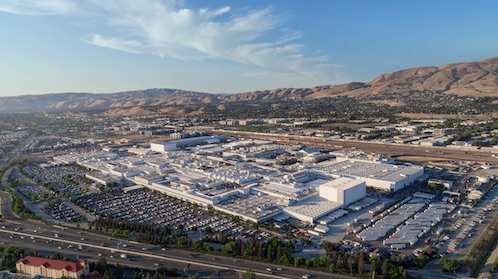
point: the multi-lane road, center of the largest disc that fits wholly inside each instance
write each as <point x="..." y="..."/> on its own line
<point x="48" y="239"/>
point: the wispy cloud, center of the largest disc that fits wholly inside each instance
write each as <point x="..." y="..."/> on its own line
<point x="36" y="7"/>
<point x="169" y="28"/>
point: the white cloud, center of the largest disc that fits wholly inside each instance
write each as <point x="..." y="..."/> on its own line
<point x="37" y="7"/>
<point x="169" y="29"/>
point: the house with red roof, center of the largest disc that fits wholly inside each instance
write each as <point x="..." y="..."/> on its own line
<point x="33" y="266"/>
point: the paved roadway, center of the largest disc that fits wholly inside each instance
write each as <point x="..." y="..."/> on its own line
<point x="93" y="245"/>
<point x="484" y="155"/>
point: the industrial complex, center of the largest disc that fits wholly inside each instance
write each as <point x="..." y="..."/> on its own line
<point x="246" y="178"/>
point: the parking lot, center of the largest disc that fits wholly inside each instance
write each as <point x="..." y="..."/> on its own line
<point x="63" y="179"/>
<point x="144" y="206"/>
<point x="61" y="211"/>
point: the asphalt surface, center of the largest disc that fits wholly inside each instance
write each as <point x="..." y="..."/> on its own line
<point x="48" y="239"/>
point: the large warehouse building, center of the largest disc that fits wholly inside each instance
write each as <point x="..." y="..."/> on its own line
<point x="377" y="175"/>
<point x="174" y="144"/>
<point x="343" y="190"/>
<point x="333" y="195"/>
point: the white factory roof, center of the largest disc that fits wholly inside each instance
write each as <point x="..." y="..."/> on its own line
<point x="279" y="188"/>
<point x="379" y="171"/>
<point x="342" y="183"/>
<point x="313" y="207"/>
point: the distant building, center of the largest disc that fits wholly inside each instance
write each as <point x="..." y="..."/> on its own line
<point x="49" y="268"/>
<point x="442" y="132"/>
<point x="173" y="145"/>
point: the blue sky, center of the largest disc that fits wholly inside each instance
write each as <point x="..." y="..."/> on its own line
<point x="102" y="46"/>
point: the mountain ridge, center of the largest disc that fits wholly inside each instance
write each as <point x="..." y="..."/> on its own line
<point x="478" y="78"/>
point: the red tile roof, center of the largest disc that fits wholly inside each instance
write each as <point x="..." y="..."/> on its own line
<point x="72" y="266"/>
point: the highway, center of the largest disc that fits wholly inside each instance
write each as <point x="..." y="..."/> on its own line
<point x="49" y="239"/>
<point x="484" y="155"/>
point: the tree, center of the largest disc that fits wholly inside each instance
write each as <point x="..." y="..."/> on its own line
<point x="339" y="263"/>
<point x="449" y="265"/>
<point x="332" y="268"/>
<point x="101" y="265"/>
<point x="118" y="272"/>
<point x="350" y="264"/>
<point x="182" y="241"/>
<point x="208" y="230"/>
<point x="250" y="274"/>
<point x="323" y="261"/>
<point x="299" y="261"/>
<point x="373" y="265"/>
<point x="385" y="268"/>
<point x="227" y="248"/>
<point x="12" y="251"/>
<point x="56" y="256"/>
<point x="361" y="262"/>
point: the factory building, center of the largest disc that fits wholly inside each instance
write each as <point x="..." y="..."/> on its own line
<point x="175" y="144"/>
<point x="343" y="190"/>
<point x="375" y="174"/>
<point x="332" y="195"/>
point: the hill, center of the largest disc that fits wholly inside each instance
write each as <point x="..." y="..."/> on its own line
<point x="477" y="79"/>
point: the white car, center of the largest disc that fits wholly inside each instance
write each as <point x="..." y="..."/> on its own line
<point x="307" y="276"/>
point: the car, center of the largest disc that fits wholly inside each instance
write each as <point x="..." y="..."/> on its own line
<point x="279" y="268"/>
<point x="144" y="249"/>
<point x="99" y="254"/>
<point x="156" y="264"/>
<point x="307" y="276"/>
<point x="59" y="248"/>
<point x="111" y="256"/>
<point x="268" y="269"/>
<point x="82" y="238"/>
